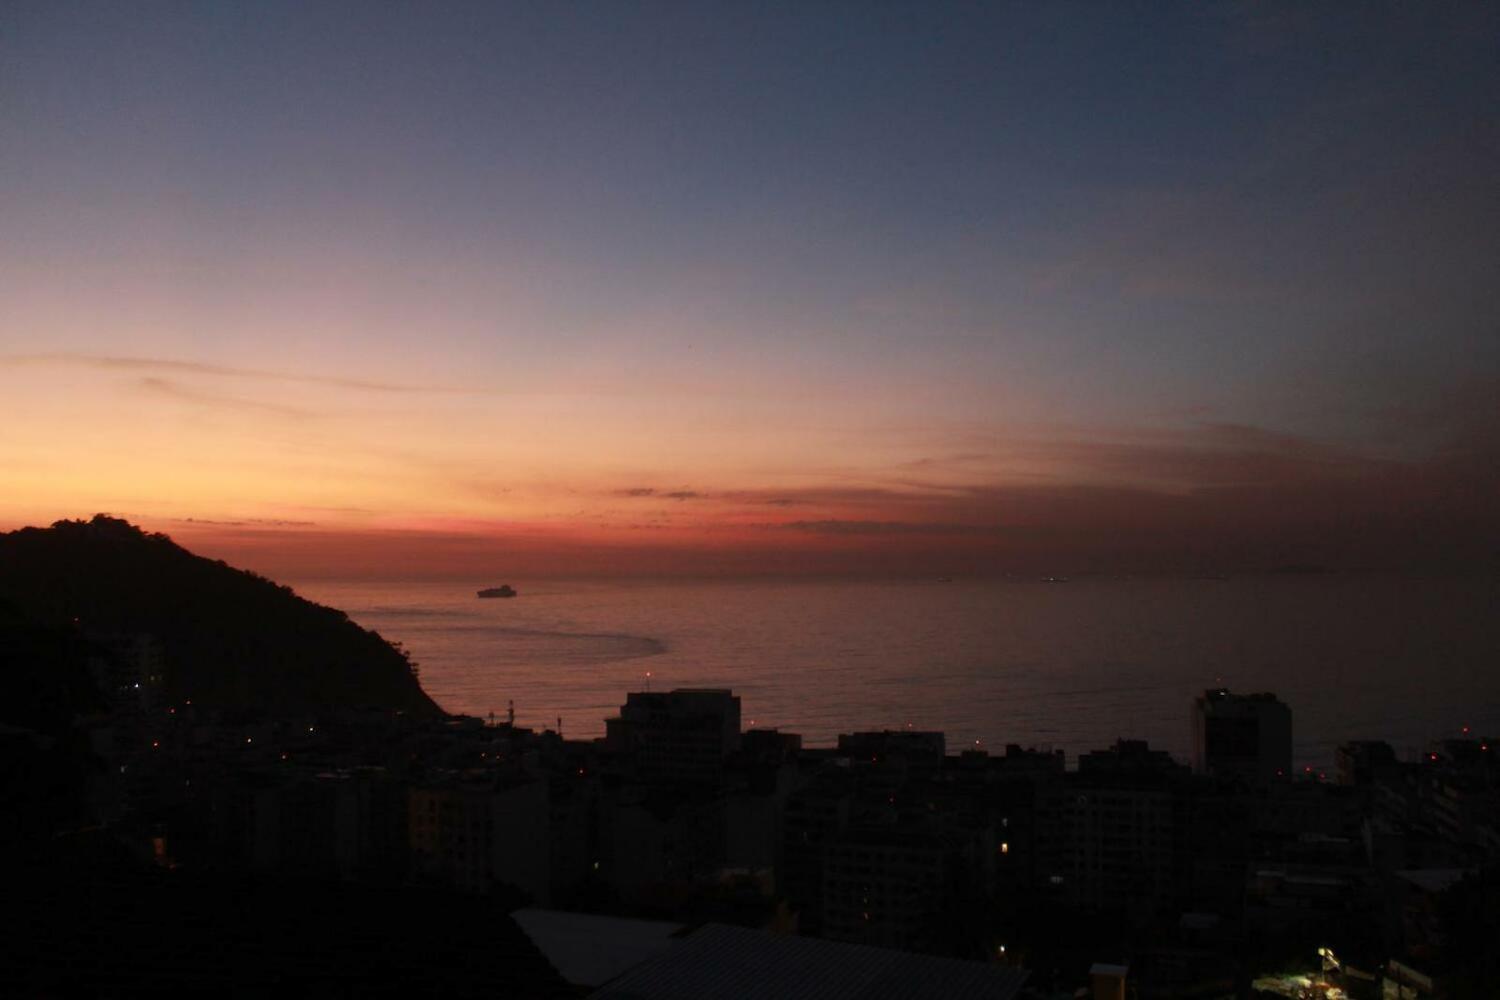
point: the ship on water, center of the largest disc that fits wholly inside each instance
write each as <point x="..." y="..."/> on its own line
<point x="504" y="590"/>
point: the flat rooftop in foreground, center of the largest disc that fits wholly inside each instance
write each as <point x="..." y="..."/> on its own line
<point x="719" y="962"/>
<point x="588" y="949"/>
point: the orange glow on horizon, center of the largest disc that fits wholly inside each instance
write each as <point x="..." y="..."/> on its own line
<point x="301" y="476"/>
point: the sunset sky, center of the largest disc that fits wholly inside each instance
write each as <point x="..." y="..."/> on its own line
<point x="427" y="289"/>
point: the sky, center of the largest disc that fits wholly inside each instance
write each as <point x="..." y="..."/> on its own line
<point x="692" y="288"/>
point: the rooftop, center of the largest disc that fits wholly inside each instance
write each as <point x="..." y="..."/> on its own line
<point x="719" y="961"/>
<point x="587" y="949"/>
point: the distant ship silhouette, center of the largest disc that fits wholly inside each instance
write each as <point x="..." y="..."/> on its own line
<point x="504" y="590"/>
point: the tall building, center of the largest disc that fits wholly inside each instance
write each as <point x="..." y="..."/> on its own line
<point x="885" y="887"/>
<point x="1110" y="836"/>
<point x="472" y="831"/>
<point x="1244" y="736"/>
<point x="677" y="736"/>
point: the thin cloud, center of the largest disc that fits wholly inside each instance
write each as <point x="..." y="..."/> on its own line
<point x="117" y="363"/>
<point x="946" y="461"/>
<point x="638" y="492"/>
<point x="168" y="366"/>
<point x="816" y="496"/>
<point x="842" y="527"/>
<point x="1211" y="455"/>
<point x="249" y="522"/>
<point x="176" y="390"/>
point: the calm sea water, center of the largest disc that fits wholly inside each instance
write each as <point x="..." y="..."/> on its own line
<point x="1067" y="665"/>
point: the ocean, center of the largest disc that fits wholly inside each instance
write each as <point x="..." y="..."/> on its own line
<point x="1071" y="665"/>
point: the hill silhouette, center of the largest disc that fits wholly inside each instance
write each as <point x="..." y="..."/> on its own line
<point x="229" y="639"/>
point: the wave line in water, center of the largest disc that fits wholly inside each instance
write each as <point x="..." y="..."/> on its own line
<point x="520" y="646"/>
<point x="538" y="633"/>
<point x="417" y="612"/>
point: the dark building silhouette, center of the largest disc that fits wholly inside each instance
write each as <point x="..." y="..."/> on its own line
<point x="475" y="830"/>
<point x="1242" y="737"/>
<point x="1111" y="835"/>
<point x="914" y="746"/>
<point x="680" y="736"/>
